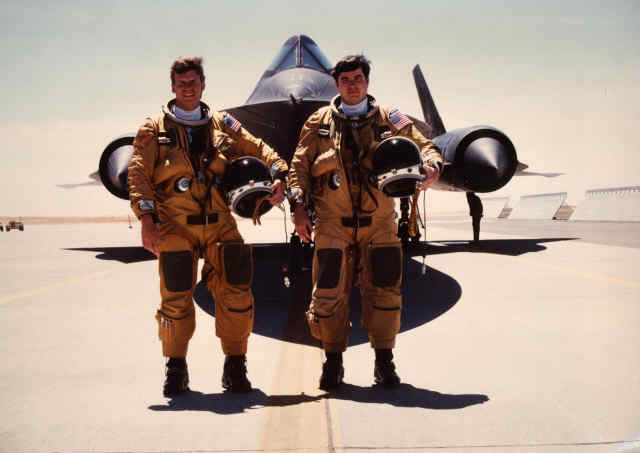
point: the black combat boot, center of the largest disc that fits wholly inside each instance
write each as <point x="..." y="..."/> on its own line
<point x="384" y="371"/>
<point x="332" y="371"/>
<point x="177" y="380"/>
<point x="234" y="377"/>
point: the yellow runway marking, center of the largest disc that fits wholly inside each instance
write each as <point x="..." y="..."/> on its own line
<point x="587" y="275"/>
<point x="334" y="425"/>
<point x="46" y="288"/>
<point x="300" y="417"/>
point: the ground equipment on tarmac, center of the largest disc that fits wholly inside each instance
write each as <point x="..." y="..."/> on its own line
<point x="15" y="225"/>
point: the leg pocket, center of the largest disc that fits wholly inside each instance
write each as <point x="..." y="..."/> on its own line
<point x="230" y="283"/>
<point x="331" y="268"/>
<point x="234" y="315"/>
<point x="236" y="263"/>
<point x="382" y="300"/>
<point x="177" y="270"/>
<point x="385" y="262"/>
<point x="314" y="325"/>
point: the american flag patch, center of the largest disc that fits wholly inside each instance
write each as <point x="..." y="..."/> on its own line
<point x="231" y="122"/>
<point x="398" y="119"/>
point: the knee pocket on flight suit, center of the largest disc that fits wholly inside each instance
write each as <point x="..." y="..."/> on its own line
<point x="328" y="315"/>
<point x="177" y="270"/>
<point x="232" y="289"/>
<point x="235" y="261"/>
<point x="385" y="262"/>
<point x="329" y="268"/>
<point x="383" y="300"/>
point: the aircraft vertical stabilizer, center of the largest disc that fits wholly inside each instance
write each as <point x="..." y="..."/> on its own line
<point x="429" y="110"/>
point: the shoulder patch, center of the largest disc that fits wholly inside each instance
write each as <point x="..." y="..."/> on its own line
<point x="231" y="122"/>
<point x="398" y="119"/>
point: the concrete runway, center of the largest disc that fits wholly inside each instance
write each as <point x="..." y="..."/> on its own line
<point x="528" y="343"/>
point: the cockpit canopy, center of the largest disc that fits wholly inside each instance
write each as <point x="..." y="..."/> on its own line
<point x="299" y="51"/>
<point x="299" y="71"/>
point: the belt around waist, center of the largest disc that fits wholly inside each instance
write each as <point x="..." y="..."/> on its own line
<point x="352" y="222"/>
<point x="202" y="219"/>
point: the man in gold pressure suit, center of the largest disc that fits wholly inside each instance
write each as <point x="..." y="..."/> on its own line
<point x="355" y="232"/>
<point x="179" y="159"/>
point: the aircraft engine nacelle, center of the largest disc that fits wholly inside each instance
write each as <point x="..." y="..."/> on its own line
<point x="114" y="165"/>
<point x="477" y="159"/>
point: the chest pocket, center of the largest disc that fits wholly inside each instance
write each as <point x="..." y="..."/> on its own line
<point x="172" y="160"/>
<point x="327" y="159"/>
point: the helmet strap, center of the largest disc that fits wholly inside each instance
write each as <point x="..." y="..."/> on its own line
<point x="256" y="210"/>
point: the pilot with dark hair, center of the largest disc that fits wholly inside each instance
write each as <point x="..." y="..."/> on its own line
<point x="475" y="211"/>
<point x="355" y="229"/>
<point x="179" y="158"/>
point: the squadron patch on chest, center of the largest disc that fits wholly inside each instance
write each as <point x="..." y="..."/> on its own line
<point x="398" y="119"/>
<point x="231" y="122"/>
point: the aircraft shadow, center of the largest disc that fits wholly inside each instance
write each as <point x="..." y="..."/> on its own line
<point x="280" y="311"/>
<point x="405" y="395"/>
<point x="124" y="255"/>
<point x="510" y="247"/>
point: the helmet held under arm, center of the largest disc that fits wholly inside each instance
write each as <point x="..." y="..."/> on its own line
<point x="397" y="166"/>
<point x="247" y="183"/>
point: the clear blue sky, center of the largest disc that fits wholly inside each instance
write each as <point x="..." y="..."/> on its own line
<point x="561" y="78"/>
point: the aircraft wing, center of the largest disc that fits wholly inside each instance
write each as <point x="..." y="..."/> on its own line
<point x="521" y="170"/>
<point x="95" y="181"/>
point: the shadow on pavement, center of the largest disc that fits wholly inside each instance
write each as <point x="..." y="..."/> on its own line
<point x="405" y="395"/>
<point x="511" y="247"/>
<point x="280" y="310"/>
<point x="230" y="403"/>
<point x="122" y="254"/>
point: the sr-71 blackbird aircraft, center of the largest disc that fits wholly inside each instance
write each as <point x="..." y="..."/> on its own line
<point x="297" y="83"/>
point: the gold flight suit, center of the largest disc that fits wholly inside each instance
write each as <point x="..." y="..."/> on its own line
<point x="355" y="231"/>
<point x="174" y="175"/>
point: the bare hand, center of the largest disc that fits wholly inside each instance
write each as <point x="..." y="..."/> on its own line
<point x="303" y="223"/>
<point x="278" y="192"/>
<point x="431" y="176"/>
<point x="150" y="235"/>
